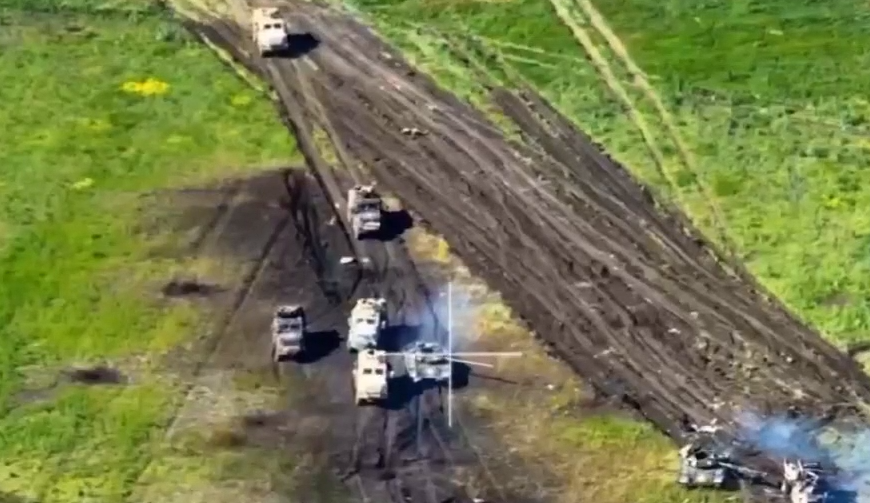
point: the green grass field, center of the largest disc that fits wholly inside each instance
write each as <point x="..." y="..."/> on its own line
<point x="96" y="108"/>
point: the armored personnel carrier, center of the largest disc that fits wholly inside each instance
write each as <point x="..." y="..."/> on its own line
<point x="367" y="319"/>
<point x="371" y="374"/>
<point x="364" y="210"/>
<point x="269" y="31"/>
<point x="288" y="332"/>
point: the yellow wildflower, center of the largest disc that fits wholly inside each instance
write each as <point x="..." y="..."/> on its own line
<point x="148" y="87"/>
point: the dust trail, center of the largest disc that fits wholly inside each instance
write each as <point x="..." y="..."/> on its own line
<point x="599" y="23"/>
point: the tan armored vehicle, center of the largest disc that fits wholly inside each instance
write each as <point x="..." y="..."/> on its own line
<point x="367" y="319"/>
<point x="269" y="31"/>
<point x="364" y="208"/>
<point x="371" y="373"/>
<point x="288" y="332"/>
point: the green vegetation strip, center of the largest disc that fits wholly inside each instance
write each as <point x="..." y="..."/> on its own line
<point x="99" y="107"/>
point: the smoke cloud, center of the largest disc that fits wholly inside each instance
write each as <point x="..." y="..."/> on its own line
<point x="455" y="310"/>
<point x="783" y="436"/>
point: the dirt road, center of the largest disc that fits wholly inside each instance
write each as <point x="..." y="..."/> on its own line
<point x="623" y="290"/>
<point x="284" y="226"/>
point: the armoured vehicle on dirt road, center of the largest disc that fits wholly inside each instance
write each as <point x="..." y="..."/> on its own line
<point x="427" y="361"/>
<point x="702" y="466"/>
<point x="269" y="31"/>
<point x="364" y="210"/>
<point x="288" y="332"/>
<point x="367" y="319"/>
<point x="708" y="461"/>
<point x="371" y="374"/>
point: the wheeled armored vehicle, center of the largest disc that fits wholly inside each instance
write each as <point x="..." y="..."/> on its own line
<point x="427" y="361"/>
<point x="288" y="332"/>
<point x="364" y="210"/>
<point x="367" y="320"/>
<point x="269" y="31"/>
<point x="371" y="374"/>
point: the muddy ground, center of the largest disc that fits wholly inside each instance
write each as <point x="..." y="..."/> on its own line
<point x="282" y="228"/>
<point x="621" y="288"/>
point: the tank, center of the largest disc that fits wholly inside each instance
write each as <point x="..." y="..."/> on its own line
<point x="427" y="361"/>
<point x="702" y="466"/>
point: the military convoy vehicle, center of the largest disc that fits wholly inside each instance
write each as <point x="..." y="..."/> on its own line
<point x="427" y="361"/>
<point x="702" y="467"/>
<point x="269" y="31"/>
<point x="371" y="375"/>
<point x="364" y="211"/>
<point x="288" y="332"/>
<point x="367" y="319"/>
<point x="803" y="482"/>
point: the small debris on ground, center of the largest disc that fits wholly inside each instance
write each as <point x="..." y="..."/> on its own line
<point x="413" y="132"/>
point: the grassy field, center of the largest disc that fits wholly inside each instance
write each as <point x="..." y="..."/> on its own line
<point x="99" y="106"/>
<point x="749" y="115"/>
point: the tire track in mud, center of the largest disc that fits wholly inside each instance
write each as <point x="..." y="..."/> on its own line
<point x="382" y="149"/>
<point x="221" y="329"/>
<point x="598" y="23"/>
<point x="384" y="260"/>
<point x="593" y="274"/>
<point x="377" y="429"/>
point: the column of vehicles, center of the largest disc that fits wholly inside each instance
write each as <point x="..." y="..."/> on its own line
<point x="373" y="368"/>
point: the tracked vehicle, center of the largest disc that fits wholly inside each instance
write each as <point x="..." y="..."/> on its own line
<point x="288" y="332"/>
<point x="364" y="211"/>
<point x="702" y="466"/>
<point x="427" y="361"/>
<point x="367" y="320"/>
<point x="371" y="374"/>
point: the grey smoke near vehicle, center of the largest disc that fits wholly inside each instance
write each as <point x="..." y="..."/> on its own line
<point x="846" y="453"/>
<point x="456" y="310"/>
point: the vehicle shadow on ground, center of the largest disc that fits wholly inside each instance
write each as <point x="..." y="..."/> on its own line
<point x="403" y="389"/>
<point x="393" y="225"/>
<point x="318" y="345"/>
<point x="396" y="337"/>
<point x="298" y="45"/>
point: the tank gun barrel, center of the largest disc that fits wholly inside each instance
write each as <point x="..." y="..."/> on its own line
<point x="743" y="469"/>
<point x="469" y="362"/>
